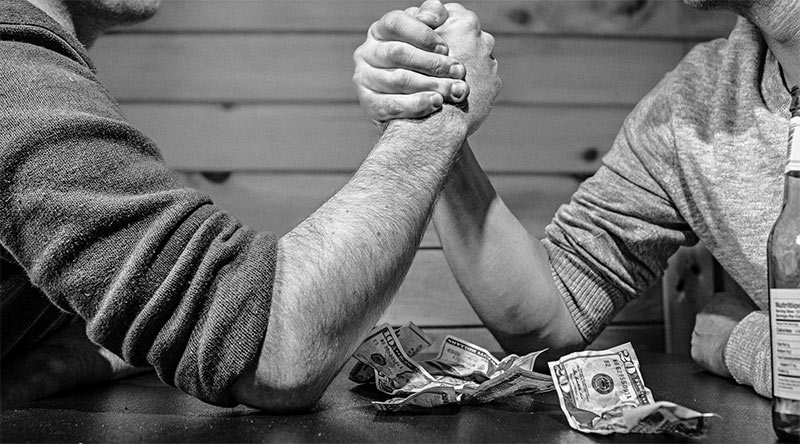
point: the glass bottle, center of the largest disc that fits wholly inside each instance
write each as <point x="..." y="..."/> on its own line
<point x="783" y="269"/>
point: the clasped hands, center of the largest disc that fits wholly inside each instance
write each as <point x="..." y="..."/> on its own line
<point x="415" y="61"/>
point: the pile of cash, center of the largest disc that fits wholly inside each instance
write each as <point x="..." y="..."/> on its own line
<point x="603" y="392"/>
<point x="600" y="391"/>
<point x="462" y="373"/>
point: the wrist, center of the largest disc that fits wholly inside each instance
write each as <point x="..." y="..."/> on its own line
<point x="449" y="123"/>
<point x="416" y="153"/>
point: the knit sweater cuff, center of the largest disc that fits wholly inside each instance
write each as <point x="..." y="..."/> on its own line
<point x="747" y="353"/>
<point x="591" y="300"/>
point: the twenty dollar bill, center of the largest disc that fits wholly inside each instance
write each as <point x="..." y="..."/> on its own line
<point x="602" y="391"/>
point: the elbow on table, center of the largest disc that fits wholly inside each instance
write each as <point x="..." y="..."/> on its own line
<point x="292" y="390"/>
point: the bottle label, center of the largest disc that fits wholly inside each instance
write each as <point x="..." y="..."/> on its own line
<point x="785" y="324"/>
<point x="794" y="144"/>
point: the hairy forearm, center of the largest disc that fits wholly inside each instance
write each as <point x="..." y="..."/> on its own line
<point x="338" y="269"/>
<point x="503" y="271"/>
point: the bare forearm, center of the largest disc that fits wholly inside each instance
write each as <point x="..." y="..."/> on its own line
<point x="502" y="270"/>
<point x="338" y="270"/>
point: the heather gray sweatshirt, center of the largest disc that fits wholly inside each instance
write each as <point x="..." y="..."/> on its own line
<point x="701" y="157"/>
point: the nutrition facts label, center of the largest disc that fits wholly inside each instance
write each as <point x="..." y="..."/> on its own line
<point x="785" y="325"/>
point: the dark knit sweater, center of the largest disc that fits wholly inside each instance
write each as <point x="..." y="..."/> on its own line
<point x="93" y="223"/>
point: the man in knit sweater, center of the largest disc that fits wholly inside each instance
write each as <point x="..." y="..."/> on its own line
<point x="104" y="254"/>
<point x="700" y="158"/>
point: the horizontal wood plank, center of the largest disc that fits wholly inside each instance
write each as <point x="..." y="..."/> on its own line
<point x="278" y="202"/>
<point x="338" y="137"/>
<point x="430" y="297"/>
<point x="648" y="337"/>
<point x="233" y="68"/>
<point x="653" y="18"/>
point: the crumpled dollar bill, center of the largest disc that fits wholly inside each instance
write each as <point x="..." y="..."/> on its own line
<point x="462" y="372"/>
<point x="602" y="391"/>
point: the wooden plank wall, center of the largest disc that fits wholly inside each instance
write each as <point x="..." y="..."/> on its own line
<point x="252" y="101"/>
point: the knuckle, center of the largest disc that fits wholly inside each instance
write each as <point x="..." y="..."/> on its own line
<point x="390" y="109"/>
<point x="369" y="104"/>
<point x="395" y="53"/>
<point x="358" y="78"/>
<point x="421" y="105"/>
<point x="437" y="67"/>
<point x="358" y="54"/>
<point x="365" y="98"/>
<point x="428" y="39"/>
<point x="490" y="40"/>
<point x="456" y="8"/>
<point x="401" y="80"/>
<point x="472" y="19"/>
<point x="392" y="21"/>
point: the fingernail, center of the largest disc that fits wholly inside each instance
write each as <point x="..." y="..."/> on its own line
<point x="458" y="90"/>
<point x="436" y="101"/>
<point x="441" y="48"/>
<point x="457" y="71"/>
<point x="426" y="17"/>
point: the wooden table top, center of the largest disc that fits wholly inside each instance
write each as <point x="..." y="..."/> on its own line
<point x="142" y="409"/>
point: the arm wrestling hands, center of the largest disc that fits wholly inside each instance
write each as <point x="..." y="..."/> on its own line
<point x="338" y="270"/>
<point x="502" y="270"/>
<point x="403" y="70"/>
<point x="381" y="83"/>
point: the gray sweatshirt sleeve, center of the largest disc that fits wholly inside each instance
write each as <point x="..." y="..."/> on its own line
<point x="613" y="239"/>
<point x="747" y="354"/>
<point x="103" y="227"/>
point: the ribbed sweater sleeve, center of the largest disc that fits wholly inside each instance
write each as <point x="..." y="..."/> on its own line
<point x="102" y="226"/>
<point x="613" y="239"/>
<point x="747" y="353"/>
<point x="701" y="157"/>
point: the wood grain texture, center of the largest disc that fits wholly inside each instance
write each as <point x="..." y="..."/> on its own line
<point x="326" y="138"/>
<point x="650" y="18"/>
<point x="430" y="294"/>
<point x="231" y="68"/>
<point x="430" y="297"/>
<point x="646" y="337"/>
<point x="278" y="202"/>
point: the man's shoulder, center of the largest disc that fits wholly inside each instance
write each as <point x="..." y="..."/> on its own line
<point x="24" y="25"/>
<point x="719" y="66"/>
<point x="36" y="76"/>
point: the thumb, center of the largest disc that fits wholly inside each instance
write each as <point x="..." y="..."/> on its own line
<point x="432" y="13"/>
